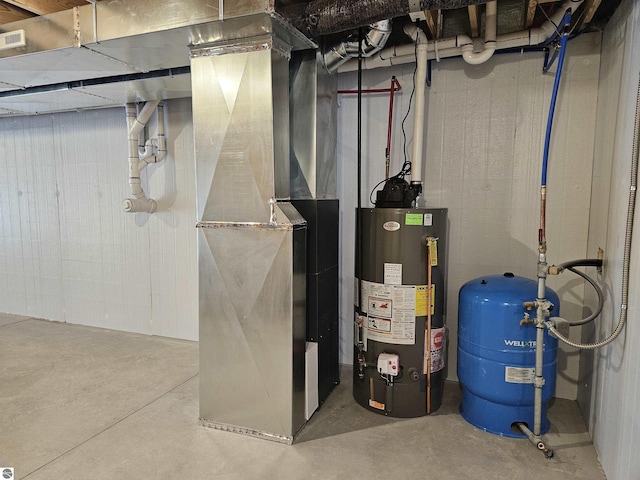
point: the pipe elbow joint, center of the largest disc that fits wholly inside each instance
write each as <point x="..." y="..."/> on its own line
<point x="477" y="58"/>
<point x="415" y="33"/>
<point x="133" y="205"/>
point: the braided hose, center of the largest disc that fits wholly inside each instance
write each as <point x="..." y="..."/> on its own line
<point x="627" y="244"/>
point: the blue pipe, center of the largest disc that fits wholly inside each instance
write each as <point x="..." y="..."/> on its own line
<point x="556" y="85"/>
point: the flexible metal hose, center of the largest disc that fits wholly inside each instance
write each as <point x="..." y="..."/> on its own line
<point x="627" y="243"/>
<point x="598" y="290"/>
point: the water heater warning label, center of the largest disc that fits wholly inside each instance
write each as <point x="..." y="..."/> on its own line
<point x="391" y="312"/>
<point x="519" y="375"/>
<point x="436" y="353"/>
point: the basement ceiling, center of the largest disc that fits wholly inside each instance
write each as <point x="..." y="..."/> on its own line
<point x="74" y="59"/>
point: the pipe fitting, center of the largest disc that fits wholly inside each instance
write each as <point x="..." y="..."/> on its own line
<point x="153" y="151"/>
<point x="490" y="36"/>
<point x="374" y="41"/>
<point x="132" y="205"/>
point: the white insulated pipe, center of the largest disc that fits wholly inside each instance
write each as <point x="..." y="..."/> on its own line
<point x="490" y="31"/>
<point x="136" y="123"/>
<point x="420" y="41"/>
<point x="449" y="47"/>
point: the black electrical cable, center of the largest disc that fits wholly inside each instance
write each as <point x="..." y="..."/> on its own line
<point x="360" y="243"/>
<point x="406" y="166"/>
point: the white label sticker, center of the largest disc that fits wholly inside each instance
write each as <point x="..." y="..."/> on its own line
<point x="519" y="375"/>
<point x="380" y="307"/>
<point x="428" y="219"/>
<point x="381" y="325"/>
<point x="392" y="312"/>
<point x="393" y="273"/>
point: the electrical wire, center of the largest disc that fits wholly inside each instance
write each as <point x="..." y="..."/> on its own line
<point x="406" y="165"/>
<point x="628" y="236"/>
<point x="404" y="133"/>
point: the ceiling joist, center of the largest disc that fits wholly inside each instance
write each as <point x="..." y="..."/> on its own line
<point x="432" y="17"/>
<point x="9" y="13"/>
<point x="531" y="11"/>
<point x="590" y="8"/>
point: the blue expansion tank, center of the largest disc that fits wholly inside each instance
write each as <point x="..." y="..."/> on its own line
<point x="496" y="354"/>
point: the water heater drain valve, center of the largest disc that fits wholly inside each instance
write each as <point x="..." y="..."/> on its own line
<point x="389" y="364"/>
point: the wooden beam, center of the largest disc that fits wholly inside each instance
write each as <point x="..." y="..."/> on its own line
<point x="43" y="7"/>
<point x="9" y="13"/>
<point x="531" y="11"/>
<point x="431" y="17"/>
<point x="474" y="20"/>
<point x="590" y="8"/>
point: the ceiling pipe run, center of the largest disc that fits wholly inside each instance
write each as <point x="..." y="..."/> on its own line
<point x="449" y="47"/>
<point x="374" y="41"/>
<point x="323" y="17"/>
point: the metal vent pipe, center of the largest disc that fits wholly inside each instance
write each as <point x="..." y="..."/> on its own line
<point x="374" y="41"/>
<point x="323" y="17"/>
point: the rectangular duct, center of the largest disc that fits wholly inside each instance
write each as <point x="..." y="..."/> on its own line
<point x="117" y="38"/>
<point x="313" y="110"/>
<point x="252" y="251"/>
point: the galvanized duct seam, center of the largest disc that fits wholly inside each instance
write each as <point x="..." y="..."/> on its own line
<point x="323" y="17"/>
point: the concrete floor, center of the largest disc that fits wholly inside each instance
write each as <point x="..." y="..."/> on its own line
<point x="85" y="403"/>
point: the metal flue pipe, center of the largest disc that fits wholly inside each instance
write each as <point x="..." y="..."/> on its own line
<point x="372" y="42"/>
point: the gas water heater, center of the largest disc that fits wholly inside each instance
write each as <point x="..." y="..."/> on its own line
<point x="400" y="335"/>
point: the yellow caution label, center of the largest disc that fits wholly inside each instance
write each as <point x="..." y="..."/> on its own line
<point x="422" y="300"/>
<point x="432" y="244"/>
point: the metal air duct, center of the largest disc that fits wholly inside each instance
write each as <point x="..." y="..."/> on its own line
<point x="252" y="250"/>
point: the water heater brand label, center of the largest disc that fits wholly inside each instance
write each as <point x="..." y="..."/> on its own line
<point x="391" y="226"/>
<point x="519" y="375"/>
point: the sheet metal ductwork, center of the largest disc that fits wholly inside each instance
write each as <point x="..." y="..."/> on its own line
<point x="323" y="17"/>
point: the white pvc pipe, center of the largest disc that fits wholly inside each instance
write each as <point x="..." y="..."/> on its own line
<point x="490" y="29"/>
<point x="420" y="39"/>
<point x="450" y="48"/>
<point x="135" y="124"/>
<point x="148" y="156"/>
